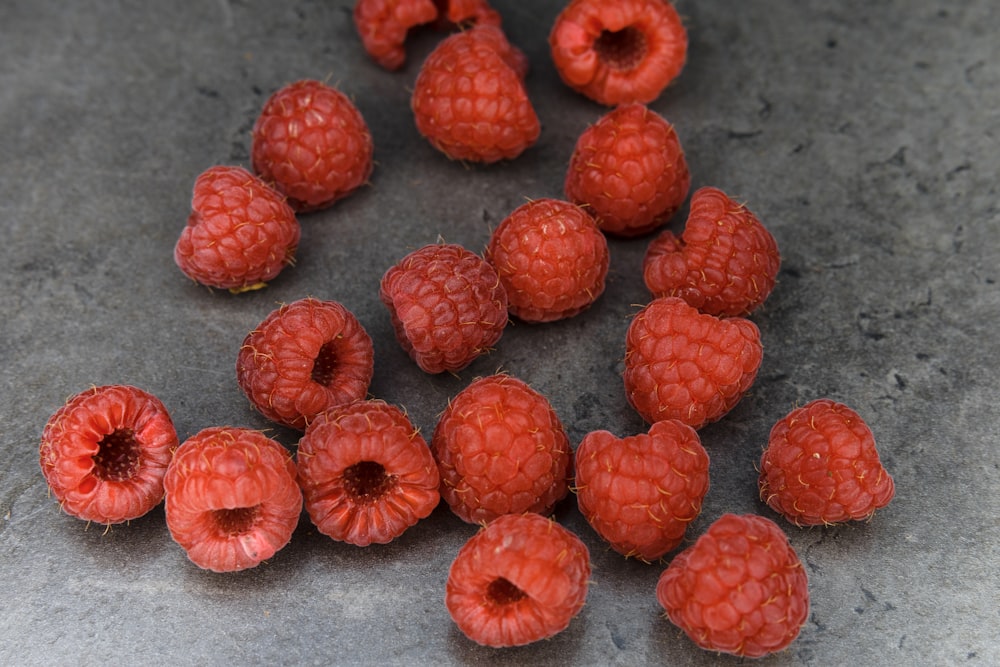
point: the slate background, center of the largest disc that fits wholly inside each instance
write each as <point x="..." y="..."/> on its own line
<point x="864" y="135"/>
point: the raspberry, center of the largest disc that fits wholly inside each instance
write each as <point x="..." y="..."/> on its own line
<point x="241" y="233"/>
<point x="552" y="260"/>
<point x="725" y="263"/>
<point x="305" y="357"/>
<point x="232" y="500"/>
<point x="383" y="24"/>
<point x="618" y="52"/>
<point x="629" y="170"/>
<point x="740" y="589"/>
<point x="639" y="493"/>
<point x="501" y="449"/>
<point x="313" y="144"/>
<point x="685" y="365"/>
<point x="104" y="453"/>
<point x="520" y="579"/>
<point x="447" y="306"/>
<point x="366" y="473"/>
<point x="821" y="466"/>
<point x="469" y="99"/>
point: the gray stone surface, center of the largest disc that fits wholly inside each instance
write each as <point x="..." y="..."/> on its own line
<point x="864" y="134"/>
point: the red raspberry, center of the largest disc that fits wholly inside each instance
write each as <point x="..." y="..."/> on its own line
<point x="552" y="259"/>
<point x="105" y="451"/>
<point x="241" y="233"/>
<point x="465" y="13"/>
<point x="232" y="499"/>
<point x="685" y="365"/>
<point x="725" y="263"/>
<point x="383" y="24"/>
<point x="821" y="466"/>
<point x="469" y="99"/>
<point x="366" y="473"/>
<point x="740" y="589"/>
<point x="313" y="144"/>
<point x="305" y="357"/>
<point x="501" y="449"/>
<point x="520" y="579"/>
<point x="639" y="493"/>
<point x="447" y="306"/>
<point x="618" y="52"/>
<point x="629" y="170"/>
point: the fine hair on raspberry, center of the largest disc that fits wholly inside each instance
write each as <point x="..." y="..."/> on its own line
<point x="105" y="451"/>
<point x="303" y="358"/>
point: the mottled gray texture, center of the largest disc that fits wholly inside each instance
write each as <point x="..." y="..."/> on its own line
<point x="864" y="134"/>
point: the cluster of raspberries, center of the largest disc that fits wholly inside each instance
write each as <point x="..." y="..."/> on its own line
<point x="499" y="456"/>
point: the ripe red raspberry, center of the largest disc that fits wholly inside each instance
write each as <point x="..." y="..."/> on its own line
<point x="821" y="466"/>
<point x="469" y="99"/>
<point x="241" y="233"/>
<point x="552" y="260"/>
<point x="313" y="144"/>
<point x="520" y="579"/>
<point x="740" y="589"/>
<point x="629" y="170"/>
<point x="305" y="357"/>
<point x="639" y="493"/>
<point x="618" y="52"/>
<point x="383" y="25"/>
<point x="232" y="499"/>
<point x="366" y="473"/>
<point x="725" y="263"/>
<point x="105" y="451"/>
<point x="685" y="365"/>
<point x="501" y="449"/>
<point x="447" y="306"/>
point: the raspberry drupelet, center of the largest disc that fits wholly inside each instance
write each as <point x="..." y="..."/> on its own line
<point x="105" y="451"/>
<point x="366" y="473"/>
<point x="303" y="358"/>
